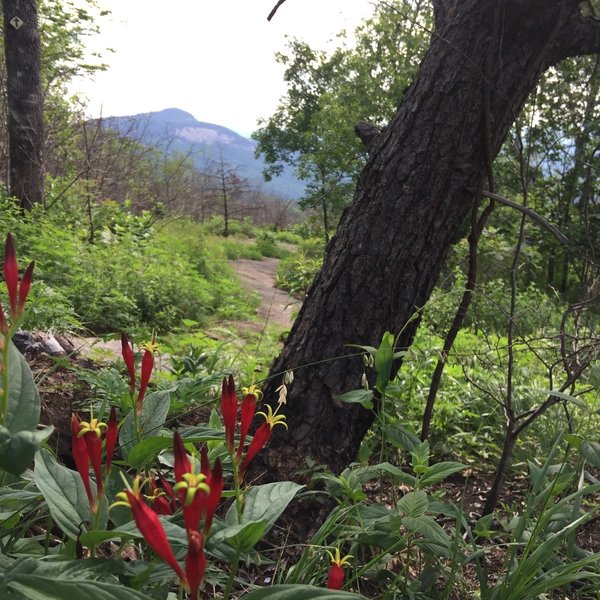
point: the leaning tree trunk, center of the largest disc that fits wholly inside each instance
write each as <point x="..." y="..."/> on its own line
<point x="25" y="102"/>
<point x="410" y="202"/>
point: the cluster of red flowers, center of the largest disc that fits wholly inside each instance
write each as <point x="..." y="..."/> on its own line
<point x="86" y="444"/>
<point x="232" y="412"/>
<point x="146" y="369"/>
<point x="17" y="293"/>
<point x="198" y="495"/>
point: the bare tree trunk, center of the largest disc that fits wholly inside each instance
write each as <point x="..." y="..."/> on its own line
<point x="410" y="201"/>
<point x="25" y="102"/>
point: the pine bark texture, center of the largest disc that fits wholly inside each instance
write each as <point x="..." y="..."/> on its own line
<point x="409" y="205"/>
<point x="25" y="102"/>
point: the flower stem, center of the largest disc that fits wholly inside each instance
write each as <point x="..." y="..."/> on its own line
<point x="234" y="568"/>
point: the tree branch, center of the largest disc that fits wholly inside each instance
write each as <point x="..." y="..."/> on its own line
<point x="525" y="210"/>
<point x="578" y="35"/>
<point x="272" y="13"/>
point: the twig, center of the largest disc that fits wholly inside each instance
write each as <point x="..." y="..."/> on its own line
<point x="272" y="13"/>
<point x="525" y="210"/>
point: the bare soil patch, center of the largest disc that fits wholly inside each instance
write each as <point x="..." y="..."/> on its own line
<point x="276" y="306"/>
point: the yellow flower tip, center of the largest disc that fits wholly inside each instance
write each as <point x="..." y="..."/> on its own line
<point x="123" y="500"/>
<point x="150" y="346"/>
<point x="92" y="425"/>
<point x="253" y="391"/>
<point x="336" y="559"/>
<point x="272" y="418"/>
<point x="192" y="483"/>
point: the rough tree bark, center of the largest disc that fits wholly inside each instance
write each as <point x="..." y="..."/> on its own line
<point x="25" y="102"/>
<point x="410" y="201"/>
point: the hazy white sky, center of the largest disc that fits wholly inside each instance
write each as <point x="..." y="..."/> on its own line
<point x="212" y="58"/>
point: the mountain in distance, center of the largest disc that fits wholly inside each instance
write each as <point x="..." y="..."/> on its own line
<point x="179" y="132"/>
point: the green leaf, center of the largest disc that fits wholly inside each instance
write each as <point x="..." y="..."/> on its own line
<point x="577" y="401"/>
<point x="18" y="449"/>
<point x="242" y="537"/>
<point x="97" y="536"/>
<point x="154" y="414"/>
<point x="147" y="450"/>
<point x="299" y="592"/>
<point x="372" y="471"/>
<point x="420" y="457"/>
<point x="267" y="502"/>
<point x="23" y="397"/>
<point x="36" y="587"/>
<point x="144" y="452"/>
<point x="401" y="437"/>
<point x="591" y="452"/>
<point x="435" y="539"/>
<point x="413" y="504"/>
<point x="383" y="362"/>
<point x="364" y="397"/>
<point x="439" y="472"/>
<point x="594" y="376"/>
<point x="64" y="492"/>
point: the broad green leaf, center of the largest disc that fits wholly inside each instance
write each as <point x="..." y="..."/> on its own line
<point x="17" y="449"/>
<point x="372" y="471"/>
<point x="439" y="472"/>
<point x="401" y="437"/>
<point x="594" y="377"/>
<point x="299" y="592"/>
<point x="154" y="414"/>
<point x="591" y="452"/>
<point x="23" y="399"/>
<point x="36" y="587"/>
<point x="202" y="433"/>
<point x="147" y="450"/>
<point x="384" y="358"/>
<point x="434" y="538"/>
<point x="420" y="457"/>
<point x="242" y="537"/>
<point x="65" y="494"/>
<point x="267" y="502"/>
<point x="364" y="397"/>
<point x="413" y="504"/>
<point x="97" y="536"/>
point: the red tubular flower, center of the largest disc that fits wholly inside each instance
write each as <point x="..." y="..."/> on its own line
<point x="17" y="294"/>
<point x="3" y="323"/>
<point x="147" y="366"/>
<point x="191" y="487"/>
<point x="25" y="286"/>
<point x="168" y="490"/>
<point x="127" y="354"/>
<point x="214" y="479"/>
<point x="262" y="435"/>
<point x="195" y="563"/>
<point x="93" y="442"/>
<point x="335" y="580"/>
<point x="229" y="409"/>
<point x="110" y="440"/>
<point x="248" y="410"/>
<point x="11" y="274"/>
<point x="158" y="500"/>
<point x="260" y="438"/>
<point x="81" y="458"/>
<point x="152" y="530"/>
<point x="182" y="460"/>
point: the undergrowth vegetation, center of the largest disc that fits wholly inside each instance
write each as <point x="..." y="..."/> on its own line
<point x="140" y="272"/>
<point x="170" y="448"/>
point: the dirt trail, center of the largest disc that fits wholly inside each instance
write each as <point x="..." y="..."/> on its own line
<point x="276" y="306"/>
